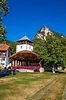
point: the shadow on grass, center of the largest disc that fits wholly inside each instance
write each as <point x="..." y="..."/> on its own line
<point x="59" y="72"/>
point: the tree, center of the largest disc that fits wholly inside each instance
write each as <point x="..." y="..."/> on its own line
<point x="4" y="7"/>
<point x="52" y="51"/>
<point x="63" y="45"/>
<point x="2" y="30"/>
<point x="3" y="11"/>
<point x="41" y="49"/>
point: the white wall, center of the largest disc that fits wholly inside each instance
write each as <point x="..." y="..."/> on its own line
<point x="24" y="47"/>
<point x="2" y="62"/>
<point x="8" y="53"/>
<point x="6" y="60"/>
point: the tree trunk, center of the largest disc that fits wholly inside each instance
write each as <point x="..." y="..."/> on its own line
<point x="53" y="69"/>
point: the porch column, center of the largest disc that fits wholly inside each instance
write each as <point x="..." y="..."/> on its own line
<point x="15" y="62"/>
<point x="20" y="63"/>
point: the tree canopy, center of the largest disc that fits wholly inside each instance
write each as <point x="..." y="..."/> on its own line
<point x="52" y="51"/>
<point x="4" y="9"/>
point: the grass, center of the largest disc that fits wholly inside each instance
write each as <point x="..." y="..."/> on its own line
<point x="29" y="86"/>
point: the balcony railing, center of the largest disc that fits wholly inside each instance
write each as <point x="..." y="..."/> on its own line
<point x="2" y="55"/>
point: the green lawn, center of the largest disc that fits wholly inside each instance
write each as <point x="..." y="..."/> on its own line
<point x="32" y="86"/>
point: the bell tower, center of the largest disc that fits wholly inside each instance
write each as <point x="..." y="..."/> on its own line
<point x="24" y="44"/>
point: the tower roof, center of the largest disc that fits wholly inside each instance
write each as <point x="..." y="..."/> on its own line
<point x="24" y="38"/>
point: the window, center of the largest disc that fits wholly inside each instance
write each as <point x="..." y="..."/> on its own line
<point x="3" y="59"/>
<point x="4" y="46"/>
<point x="21" y="47"/>
<point x="0" y="46"/>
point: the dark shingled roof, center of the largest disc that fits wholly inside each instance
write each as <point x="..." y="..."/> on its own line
<point x="25" y="55"/>
<point x="24" y="39"/>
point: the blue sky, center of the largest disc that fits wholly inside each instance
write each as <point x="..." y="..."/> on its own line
<point x="28" y="16"/>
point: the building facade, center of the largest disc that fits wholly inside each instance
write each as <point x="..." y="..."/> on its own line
<point x="5" y="52"/>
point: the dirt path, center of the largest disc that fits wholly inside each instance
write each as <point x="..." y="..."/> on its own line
<point x="55" y="93"/>
<point x="64" y="94"/>
<point x="52" y="91"/>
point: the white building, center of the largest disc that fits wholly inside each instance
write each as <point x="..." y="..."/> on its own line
<point x="25" y="58"/>
<point x="5" y="52"/>
<point x="24" y="44"/>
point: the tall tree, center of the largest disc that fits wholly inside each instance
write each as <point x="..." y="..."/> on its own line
<point x="3" y="11"/>
<point x="63" y="48"/>
<point x="52" y="51"/>
<point x="41" y="49"/>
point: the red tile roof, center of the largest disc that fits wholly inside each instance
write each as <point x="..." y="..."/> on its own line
<point x="4" y="47"/>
